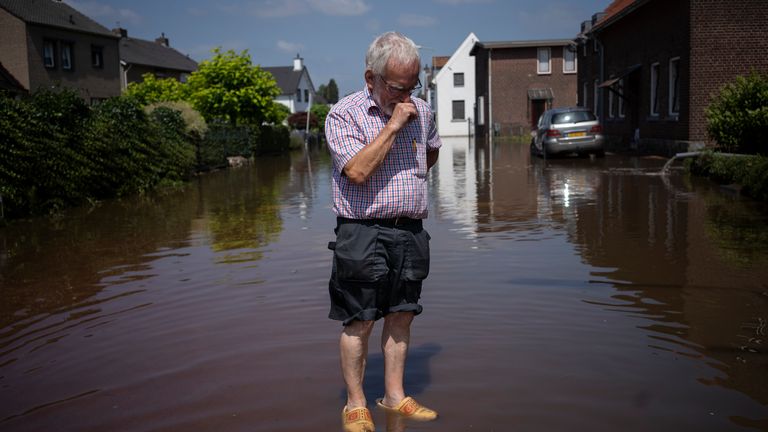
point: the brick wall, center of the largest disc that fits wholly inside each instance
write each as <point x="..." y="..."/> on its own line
<point x="654" y="33"/>
<point x="514" y="72"/>
<point x="13" y="47"/>
<point x="90" y="82"/>
<point x="728" y="38"/>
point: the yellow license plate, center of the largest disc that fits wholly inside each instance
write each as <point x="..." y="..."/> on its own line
<point x="577" y="134"/>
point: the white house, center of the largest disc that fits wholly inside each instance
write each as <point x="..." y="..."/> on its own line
<point x="455" y="92"/>
<point x="295" y="84"/>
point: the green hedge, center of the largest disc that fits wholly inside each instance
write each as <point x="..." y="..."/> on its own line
<point x="57" y="152"/>
<point x="750" y="172"/>
<point x="737" y="119"/>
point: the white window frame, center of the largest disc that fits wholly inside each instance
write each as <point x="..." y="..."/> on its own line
<point x="622" y="114"/>
<point x="653" y="103"/>
<point x="49" y="53"/>
<point x="456" y="75"/>
<point x="463" y="109"/>
<point x="595" y="96"/>
<point x="566" y="52"/>
<point x="611" y="98"/>
<point x="66" y="55"/>
<point x="539" y="63"/>
<point x="674" y="87"/>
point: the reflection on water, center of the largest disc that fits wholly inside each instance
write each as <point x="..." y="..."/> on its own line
<point x="566" y="294"/>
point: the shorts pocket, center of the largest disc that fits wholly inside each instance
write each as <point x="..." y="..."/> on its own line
<point x="357" y="254"/>
<point x="416" y="262"/>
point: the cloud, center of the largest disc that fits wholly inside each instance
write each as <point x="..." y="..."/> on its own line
<point x="341" y="7"/>
<point x="458" y="2"/>
<point x="104" y="12"/>
<point x="289" y="47"/>
<point x="413" y="20"/>
<point x="288" y="8"/>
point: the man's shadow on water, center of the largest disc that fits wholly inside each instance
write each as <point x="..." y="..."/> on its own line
<point x="417" y="373"/>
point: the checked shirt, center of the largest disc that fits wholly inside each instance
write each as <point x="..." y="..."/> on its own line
<point x="399" y="186"/>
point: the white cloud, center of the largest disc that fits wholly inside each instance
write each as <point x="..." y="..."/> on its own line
<point x="287" y="8"/>
<point x="340" y="7"/>
<point x="413" y="20"/>
<point x="105" y="13"/>
<point x="289" y="47"/>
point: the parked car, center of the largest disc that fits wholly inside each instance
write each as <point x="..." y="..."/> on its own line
<point x="568" y="130"/>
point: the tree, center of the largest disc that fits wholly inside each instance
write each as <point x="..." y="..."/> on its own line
<point x="152" y="90"/>
<point x="229" y="88"/>
<point x="332" y="92"/>
<point x="320" y="111"/>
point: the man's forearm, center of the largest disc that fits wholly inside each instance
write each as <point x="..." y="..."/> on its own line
<point x="367" y="161"/>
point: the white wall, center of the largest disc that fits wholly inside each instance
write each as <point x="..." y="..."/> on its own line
<point x="446" y="92"/>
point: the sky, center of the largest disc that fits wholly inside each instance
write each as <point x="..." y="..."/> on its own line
<point x="333" y="35"/>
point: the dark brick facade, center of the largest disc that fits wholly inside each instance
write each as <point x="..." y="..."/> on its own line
<point x="22" y="51"/>
<point x="507" y="98"/>
<point x="711" y="42"/>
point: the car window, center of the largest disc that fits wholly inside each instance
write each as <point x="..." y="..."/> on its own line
<point x="573" y="117"/>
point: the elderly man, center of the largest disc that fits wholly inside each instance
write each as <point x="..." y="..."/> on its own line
<point x="383" y="141"/>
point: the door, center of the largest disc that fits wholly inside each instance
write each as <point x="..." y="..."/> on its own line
<point x="538" y="106"/>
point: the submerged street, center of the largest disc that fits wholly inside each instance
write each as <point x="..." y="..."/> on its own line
<point x="564" y="294"/>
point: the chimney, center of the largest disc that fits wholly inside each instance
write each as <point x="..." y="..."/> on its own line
<point x="162" y="40"/>
<point x="123" y="33"/>
<point x="298" y="63"/>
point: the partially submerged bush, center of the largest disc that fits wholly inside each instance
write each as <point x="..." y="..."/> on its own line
<point x="737" y="119"/>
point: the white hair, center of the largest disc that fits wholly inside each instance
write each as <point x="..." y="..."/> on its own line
<point x="390" y="46"/>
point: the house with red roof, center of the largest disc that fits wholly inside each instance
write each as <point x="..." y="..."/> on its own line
<point x="649" y="68"/>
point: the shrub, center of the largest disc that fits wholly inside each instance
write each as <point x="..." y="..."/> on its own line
<point x="737" y="119"/>
<point x="42" y="168"/>
<point x="175" y="151"/>
<point x="750" y="172"/>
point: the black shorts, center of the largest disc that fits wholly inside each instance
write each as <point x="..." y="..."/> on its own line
<point x="378" y="268"/>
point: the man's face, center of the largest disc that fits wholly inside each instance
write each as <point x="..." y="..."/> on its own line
<point x="395" y="86"/>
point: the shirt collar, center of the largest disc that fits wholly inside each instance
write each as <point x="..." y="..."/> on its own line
<point x="370" y="104"/>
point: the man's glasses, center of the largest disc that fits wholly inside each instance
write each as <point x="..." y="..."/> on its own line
<point x="397" y="90"/>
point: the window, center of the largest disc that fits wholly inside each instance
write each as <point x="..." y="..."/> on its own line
<point x="621" y="99"/>
<point x="97" y="56"/>
<point x="674" y="86"/>
<point x="458" y="79"/>
<point x="458" y="110"/>
<point x="49" y="49"/>
<point x="306" y="95"/>
<point x="594" y="96"/>
<point x="569" y="60"/>
<point x="655" y="90"/>
<point x="298" y="95"/>
<point x="66" y="55"/>
<point x="584" y="94"/>
<point x="544" y="61"/>
<point x="610" y="103"/>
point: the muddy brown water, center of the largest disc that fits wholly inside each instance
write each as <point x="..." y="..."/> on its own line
<point x="564" y="295"/>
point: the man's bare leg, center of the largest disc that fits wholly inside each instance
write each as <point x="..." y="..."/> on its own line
<point x="354" y="351"/>
<point x="395" y="338"/>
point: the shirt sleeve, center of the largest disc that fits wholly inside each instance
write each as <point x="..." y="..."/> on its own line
<point x="345" y="139"/>
<point x="433" y="139"/>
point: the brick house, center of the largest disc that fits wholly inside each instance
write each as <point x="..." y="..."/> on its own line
<point x="649" y="68"/>
<point x="517" y="81"/>
<point x="47" y="42"/>
<point x="139" y="57"/>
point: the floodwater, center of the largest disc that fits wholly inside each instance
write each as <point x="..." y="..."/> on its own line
<point x="564" y="295"/>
